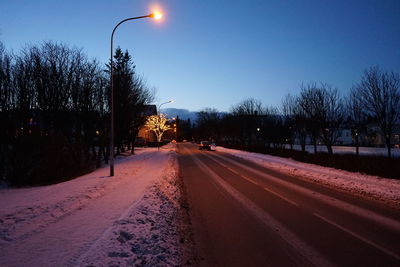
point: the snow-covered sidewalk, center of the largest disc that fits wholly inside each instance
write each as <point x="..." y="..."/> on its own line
<point x="381" y="189"/>
<point x="95" y="219"/>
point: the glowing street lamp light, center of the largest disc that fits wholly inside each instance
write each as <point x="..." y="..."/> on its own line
<point x="155" y="15"/>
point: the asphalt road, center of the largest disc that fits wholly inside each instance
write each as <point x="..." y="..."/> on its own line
<point x="247" y="215"/>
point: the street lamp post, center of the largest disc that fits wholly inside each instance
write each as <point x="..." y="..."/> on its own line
<point x="155" y="15"/>
<point x="159" y="107"/>
<point x="158" y="113"/>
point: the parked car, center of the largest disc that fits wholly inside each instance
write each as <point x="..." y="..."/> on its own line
<point x="205" y="145"/>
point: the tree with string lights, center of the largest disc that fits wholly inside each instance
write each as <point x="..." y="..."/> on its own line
<point x="158" y="124"/>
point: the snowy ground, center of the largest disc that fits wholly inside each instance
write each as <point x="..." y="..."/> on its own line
<point x="130" y="219"/>
<point x="378" y="151"/>
<point x="135" y="217"/>
<point x="147" y="234"/>
<point x="382" y="189"/>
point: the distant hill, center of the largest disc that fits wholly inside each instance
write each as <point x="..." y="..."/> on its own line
<point x="183" y="114"/>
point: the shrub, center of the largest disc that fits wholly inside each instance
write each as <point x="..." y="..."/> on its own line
<point x="37" y="160"/>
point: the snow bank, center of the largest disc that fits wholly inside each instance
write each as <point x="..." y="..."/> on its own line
<point x="131" y="218"/>
<point x="381" y="189"/>
<point x="377" y="151"/>
<point x="27" y="210"/>
<point x="148" y="234"/>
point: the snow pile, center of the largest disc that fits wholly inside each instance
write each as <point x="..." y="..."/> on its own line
<point x="148" y="234"/>
<point x="382" y="189"/>
<point x="133" y="218"/>
<point x="28" y="210"/>
<point x="377" y="151"/>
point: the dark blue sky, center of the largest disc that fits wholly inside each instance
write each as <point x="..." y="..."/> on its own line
<point x="210" y="53"/>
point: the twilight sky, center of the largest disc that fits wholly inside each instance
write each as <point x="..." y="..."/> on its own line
<point x="215" y="53"/>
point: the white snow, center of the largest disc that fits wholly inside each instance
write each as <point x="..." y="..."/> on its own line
<point x="375" y="187"/>
<point x="133" y="217"/>
<point x="96" y="219"/>
<point x="376" y="151"/>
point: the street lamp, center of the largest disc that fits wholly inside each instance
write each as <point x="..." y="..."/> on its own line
<point x="159" y="106"/>
<point x="155" y="15"/>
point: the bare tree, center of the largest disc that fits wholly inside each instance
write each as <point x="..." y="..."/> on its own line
<point x="324" y="109"/>
<point x="54" y="96"/>
<point x="247" y="117"/>
<point x="272" y="128"/>
<point x="380" y="94"/>
<point x="300" y="124"/>
<point x="207" y="121"/>
<point x="248" y="106"/>
<point x="5" y="79"/>
<point x="356" y="114"/>
<point x="295" y="119"/>
<point x="6" y="94"/>
<point x="308" y="102"/>
<point x="288" y="109"/>
<point x="331" y="115"/>
<point x="139" y="97"/>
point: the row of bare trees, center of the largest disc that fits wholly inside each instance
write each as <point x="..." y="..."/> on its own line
<point x="54" y="111"/>
<point x="318" y="113"/>
<point x="247" y="123"/>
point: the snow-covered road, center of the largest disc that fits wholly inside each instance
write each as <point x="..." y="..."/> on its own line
<point x="95" y="219"/>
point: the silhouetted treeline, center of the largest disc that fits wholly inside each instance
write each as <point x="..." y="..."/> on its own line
<point x="317" y="115"/>
<point x="248" y="122"/>
<point x="54" y="112"/>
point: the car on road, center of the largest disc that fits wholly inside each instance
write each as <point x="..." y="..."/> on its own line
<point x="205" y="145"/>
<point x="213" y="146"/>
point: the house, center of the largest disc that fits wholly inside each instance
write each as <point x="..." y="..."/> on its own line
<point x="344" y="137"/>
<point x="372" y="136"/>
<point x="396" y="136"/>
<point x="144" y="132"/>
